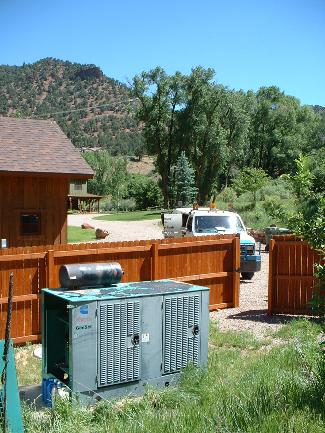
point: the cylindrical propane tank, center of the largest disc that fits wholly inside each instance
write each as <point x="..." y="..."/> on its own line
<point x="90" y="275"/>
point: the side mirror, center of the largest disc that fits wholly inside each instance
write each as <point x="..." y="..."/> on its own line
<point x="183" y="231"/>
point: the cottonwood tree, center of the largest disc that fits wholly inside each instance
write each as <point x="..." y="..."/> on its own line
<point x="160" y="98"/>
<point x="280" y="129"/>
<point x="202" y="133"/>
<point x="235" y="121"/>
<point x="214" y="127"/>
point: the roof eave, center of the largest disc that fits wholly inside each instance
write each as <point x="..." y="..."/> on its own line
<point x="47" y="174"/>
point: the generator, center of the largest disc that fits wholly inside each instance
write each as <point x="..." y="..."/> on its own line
<point x="109" y="341"/>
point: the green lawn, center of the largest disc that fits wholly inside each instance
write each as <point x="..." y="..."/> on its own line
<point x="131" y="216"/>
<point x="77" y="234"/>
<point x="255" y="385"/>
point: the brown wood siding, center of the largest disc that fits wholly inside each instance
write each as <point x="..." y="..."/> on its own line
<point x="47" y="195"/>
<point x="210" y="261"/>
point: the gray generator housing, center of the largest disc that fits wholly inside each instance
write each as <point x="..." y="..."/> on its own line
<point x="108" y="342"/>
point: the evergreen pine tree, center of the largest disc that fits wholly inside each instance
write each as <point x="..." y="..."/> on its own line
<point x="184" y="188"/>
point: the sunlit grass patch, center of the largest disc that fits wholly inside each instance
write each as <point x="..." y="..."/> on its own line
<point x="77" y="234"/>
<point x="131" y="216"/>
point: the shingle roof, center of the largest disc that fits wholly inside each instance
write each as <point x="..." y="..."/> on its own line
<point x="38" y="146"/>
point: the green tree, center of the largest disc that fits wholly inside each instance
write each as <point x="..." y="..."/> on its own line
<point x="184" y="189"/>
<point x="118" y="180"/>
<point x="145" y="191"/>
<point x="110" y="175"/>
<point x="309" y="221"/>
<point x="160" y="97"/>
<point x="280" y="129"/>
<point x="139" y="147"/>
<point x="250" y="180"/>
<point x="101" y="163"/>
<point x="201" y="130"/>
<point x="235" y="121"/>
<point x="213" y="129"/>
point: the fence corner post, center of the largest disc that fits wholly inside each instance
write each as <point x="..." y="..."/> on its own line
<point x="236" y="267"/>
<point x="270" y="282"/>
<point x="50" y="269"/>
<point x="154" y="261"/>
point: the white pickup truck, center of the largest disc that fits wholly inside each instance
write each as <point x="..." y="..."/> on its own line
<point x="184" y="222"/>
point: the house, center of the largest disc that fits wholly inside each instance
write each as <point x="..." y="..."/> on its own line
<point x="80" y="199"/>
<point x="37" y="163"/>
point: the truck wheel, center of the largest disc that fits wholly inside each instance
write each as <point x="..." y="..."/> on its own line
<point x="247" y="275"/>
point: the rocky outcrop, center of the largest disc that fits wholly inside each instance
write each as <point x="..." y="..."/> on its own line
<point x="89" y="73"/>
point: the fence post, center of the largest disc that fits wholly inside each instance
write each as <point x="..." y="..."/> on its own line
<point x="50" y="269"/>
<point x="270" y="284"/>
<point x="154" y="261"/>
<point x="236" y="267"/>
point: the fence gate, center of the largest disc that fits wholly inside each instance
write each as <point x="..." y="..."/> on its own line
<point x="291" y="278"/>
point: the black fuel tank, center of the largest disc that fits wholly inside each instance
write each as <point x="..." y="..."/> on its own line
<point x="81" y="275"/>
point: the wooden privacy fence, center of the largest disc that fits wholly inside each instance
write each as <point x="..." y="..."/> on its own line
<point x="291" y="275"/>
<point x="211" y="261"/>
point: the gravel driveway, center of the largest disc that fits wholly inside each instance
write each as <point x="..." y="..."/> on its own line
<point x="120" y="230"/>
<point x="252" y="313"/>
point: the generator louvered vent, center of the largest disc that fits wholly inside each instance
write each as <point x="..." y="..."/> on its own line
<point x="119" y="350"/>
<point x="181" y="332"/>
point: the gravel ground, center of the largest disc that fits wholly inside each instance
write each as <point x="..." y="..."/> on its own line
<point x="120" y="230"/>
<point x="252" y="313"/>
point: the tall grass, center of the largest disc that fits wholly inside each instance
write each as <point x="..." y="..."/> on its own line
<point x="77" y="234"/>
<point x="248" y="386"/>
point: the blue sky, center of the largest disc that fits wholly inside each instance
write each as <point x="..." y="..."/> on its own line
<point x="249" y="43"/>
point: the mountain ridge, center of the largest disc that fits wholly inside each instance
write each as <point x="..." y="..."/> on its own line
<point x="92" y="109"/>
<point x="95" y="111"/>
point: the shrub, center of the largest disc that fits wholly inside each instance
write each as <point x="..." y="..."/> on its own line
<point x="250" y="180"/>
<point x="277" y="188"/>
<point x="227" y="195"/>
<point x="127" y="204"/>
<point x="145" y="191"/>
<point x="106" y="205"/>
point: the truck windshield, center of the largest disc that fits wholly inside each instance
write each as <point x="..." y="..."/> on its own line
<point x="217" y="223"/>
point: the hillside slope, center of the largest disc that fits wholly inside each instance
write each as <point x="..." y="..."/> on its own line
<point x="64" y="92"/>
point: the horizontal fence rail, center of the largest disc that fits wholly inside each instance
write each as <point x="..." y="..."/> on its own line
<point x="211" y="261"/>
<point x="291" y="279"/>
